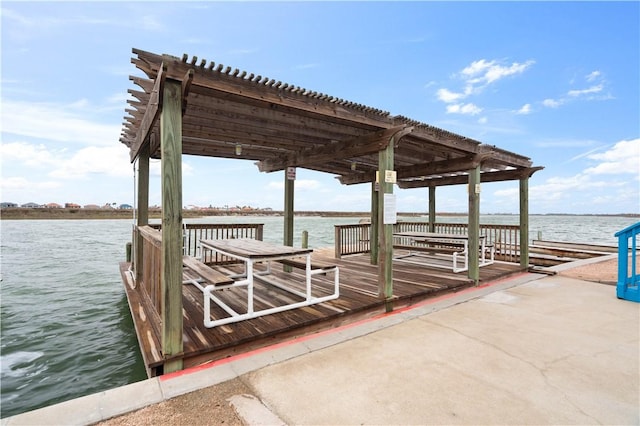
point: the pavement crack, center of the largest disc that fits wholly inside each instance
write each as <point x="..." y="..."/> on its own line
<point x="542" y="371"/>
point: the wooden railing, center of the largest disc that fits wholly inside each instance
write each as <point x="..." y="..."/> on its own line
<point x="150" y="270"/>
<point x="194" y="232"/>
<point x="628" y="286"/>
<point x="354" y="239"/>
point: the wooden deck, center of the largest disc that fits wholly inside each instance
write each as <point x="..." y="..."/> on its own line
<point x="358" y="299"/>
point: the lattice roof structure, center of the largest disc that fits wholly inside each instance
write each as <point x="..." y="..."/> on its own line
<point x="231" y="113"/>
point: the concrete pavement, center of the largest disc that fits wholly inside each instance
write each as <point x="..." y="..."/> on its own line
<point x="528" y="350"/>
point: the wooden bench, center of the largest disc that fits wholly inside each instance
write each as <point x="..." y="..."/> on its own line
<point x="451" y="249"/>
<point x="208" y="274"/>
<point x="315" y="265"/>
<point x="428" y="249"/>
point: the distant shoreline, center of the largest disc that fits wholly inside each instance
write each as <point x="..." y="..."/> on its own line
<point x="19" y="213"/>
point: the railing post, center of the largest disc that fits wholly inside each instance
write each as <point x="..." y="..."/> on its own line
<point x="143" y="209"/>
<point x="374" y="230"/>
<point x="128" y="252"/>
<point x="337" y="250"/>
<point x="432" y="209"/>
<point x="524" y="222"/>
<point x="385" y="230"/>
<point x="474" y="224"/>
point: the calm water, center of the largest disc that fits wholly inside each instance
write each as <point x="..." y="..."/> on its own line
<point x="66" y="330"/>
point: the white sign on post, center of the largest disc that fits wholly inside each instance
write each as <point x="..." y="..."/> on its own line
<point x="291" y="173"/>
<point x="390" y="176"/>
<point x="390" y="212"/>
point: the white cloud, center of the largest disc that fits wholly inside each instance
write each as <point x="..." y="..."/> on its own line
<point x="593" y="76"/>
<point x="593" y="185"/>
<point x="302" y="184"/>
<point x="552" y="103"/>
<point x="526" y="109"/>
<point x="584" y="154"/>
<point x="110" y="161"/>
<point x="20" y="183"/>
<point x="476" y="76"/>
<point x="553" y="189"/>
<point x="466" y="109"/>
<point x="593" y="92"/>
<point x="448" y="96"/>
<point x="63" y="123"/>
<point x="590" y="90"/>
<point x="622" y="158"/>
<point x="28" y="154"/>
<point x="486" y="72"/>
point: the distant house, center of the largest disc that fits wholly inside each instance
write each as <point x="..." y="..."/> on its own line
<point x="8" y="205"/>
<point x="91" y="207"/>
<point x="72" y="206"/>
<point x="53" y="206"/>
<point x="31" y="206"/>
<point x="125" y="207"/>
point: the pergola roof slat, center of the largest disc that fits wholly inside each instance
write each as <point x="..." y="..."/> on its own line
<point x="278" y="124"/>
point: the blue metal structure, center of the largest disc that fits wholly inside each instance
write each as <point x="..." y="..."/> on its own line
<point x="628" y="287"/>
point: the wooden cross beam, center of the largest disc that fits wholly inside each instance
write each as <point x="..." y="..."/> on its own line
<point x="151" y="114"/>
<point x="498" y="176"/>
<point x="186" y="85"/>
<point x="368" y="144"/>
<point x="427" y="169"/>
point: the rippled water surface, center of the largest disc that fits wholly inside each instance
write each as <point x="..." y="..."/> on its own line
<point x="66" y="330"/>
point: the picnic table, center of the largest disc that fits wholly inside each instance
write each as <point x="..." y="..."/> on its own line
<point x="426" y="244"/>
<point x="251" y="253"/>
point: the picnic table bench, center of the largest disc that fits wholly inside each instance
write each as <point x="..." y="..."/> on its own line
<point x="430" y="243"/>
<point x="206" y="273"/>
<point x="252" y="252"/>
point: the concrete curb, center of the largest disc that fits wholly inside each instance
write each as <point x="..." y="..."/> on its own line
<point x="101" y="406"/>
<point x="582" y="262"/>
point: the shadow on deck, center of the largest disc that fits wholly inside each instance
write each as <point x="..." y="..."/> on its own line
<point x="358" y="300"/>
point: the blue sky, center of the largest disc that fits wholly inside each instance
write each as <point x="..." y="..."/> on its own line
<point x="557" y="82"/>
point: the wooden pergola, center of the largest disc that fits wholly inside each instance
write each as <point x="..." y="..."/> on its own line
<point x="197" y="107"/>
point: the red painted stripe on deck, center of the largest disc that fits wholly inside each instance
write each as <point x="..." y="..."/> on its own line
<point x="334" y="330"/>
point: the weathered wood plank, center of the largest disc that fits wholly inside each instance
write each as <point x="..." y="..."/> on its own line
<point x="364" y="145"/>
<point x="474" y="224"/>
<point x="151" y="114"/>
<point x="207" y="273"/>
<point x="171" y="165"/>
<point x="358" y="299"/>
<point x="524" y="221"/>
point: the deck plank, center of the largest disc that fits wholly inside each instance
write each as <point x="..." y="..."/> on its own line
<point x="358" y="298"/>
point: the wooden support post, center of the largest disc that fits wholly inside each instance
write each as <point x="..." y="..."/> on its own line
<point x="474" y="224"/>
<point x="385" y="256"/>
<point x="373" y="232"/>
<point x="432" y="209"/>
<point x="524" y="221"/>
<point x="289" y="189"/>
<point x="171" y="280"/>
<point x="143" y="208"/>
